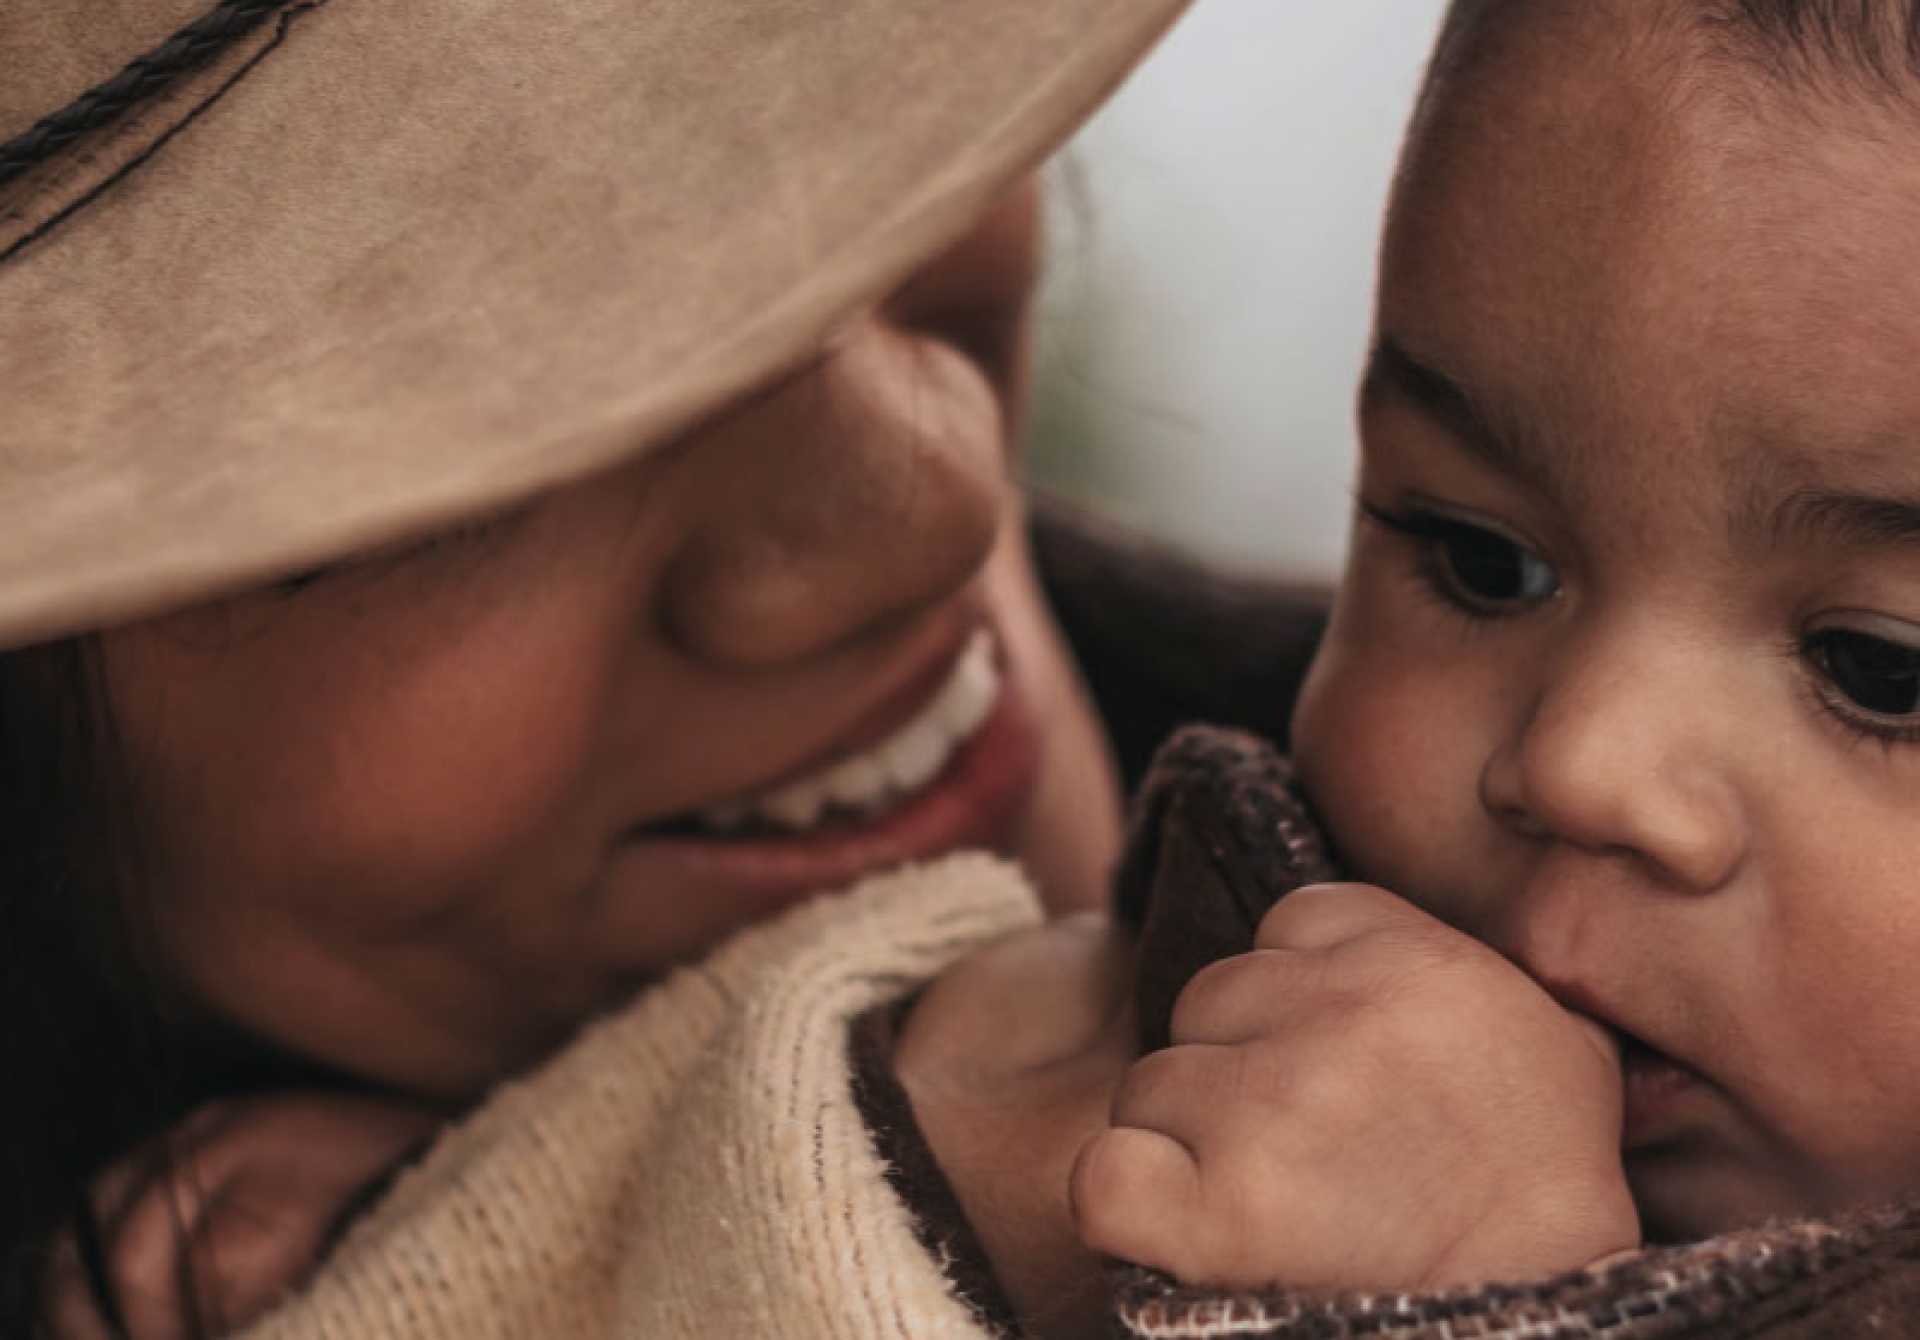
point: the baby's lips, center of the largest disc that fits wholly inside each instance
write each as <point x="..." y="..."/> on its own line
<point x="1582" y="1006"/>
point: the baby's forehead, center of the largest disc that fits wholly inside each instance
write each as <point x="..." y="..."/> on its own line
<point x="1856" y="49"/>
<point x="1593" y="225"/>
<point x="1607" y="445"/>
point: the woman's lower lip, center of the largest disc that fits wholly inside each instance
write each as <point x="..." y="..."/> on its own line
<point x="1657" y="1089"/>
<point x="976" y="802"/>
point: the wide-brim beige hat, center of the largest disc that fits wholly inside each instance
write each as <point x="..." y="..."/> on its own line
<point x="280" y="279"/>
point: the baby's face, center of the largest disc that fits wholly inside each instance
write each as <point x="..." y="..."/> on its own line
<point x="1624" y="677"/>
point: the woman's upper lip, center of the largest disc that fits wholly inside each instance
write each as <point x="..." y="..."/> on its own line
<point x="907" y="689"/>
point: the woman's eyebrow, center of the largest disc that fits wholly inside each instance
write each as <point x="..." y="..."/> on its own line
<point x="1497" y="439"/>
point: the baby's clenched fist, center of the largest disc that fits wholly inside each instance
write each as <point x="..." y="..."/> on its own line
<point x="1367" y="1100"/>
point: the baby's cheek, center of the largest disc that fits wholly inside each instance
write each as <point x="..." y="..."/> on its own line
<point x="1355" y="737"/>
<point x="1841" y="1007"/>
<point x="1391" y="771"/>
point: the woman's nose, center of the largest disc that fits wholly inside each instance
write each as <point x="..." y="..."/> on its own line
<point x="867" y="487"/>
<point x="1621" y="750"/>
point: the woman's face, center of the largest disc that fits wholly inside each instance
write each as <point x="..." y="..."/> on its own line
<point x="419" y="816"/>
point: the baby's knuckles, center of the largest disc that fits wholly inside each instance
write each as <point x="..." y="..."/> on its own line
<point x="1411" y="1111"/>
<point x="1126" y="1187"/>
<point x="1142" y="1196"/>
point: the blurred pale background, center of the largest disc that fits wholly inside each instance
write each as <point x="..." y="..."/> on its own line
<point x="1213" y="240"/>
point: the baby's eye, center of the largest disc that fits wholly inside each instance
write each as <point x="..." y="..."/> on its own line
<point x="1872" y="673"/>
<point x="1489" y="566"/>
<point x="1475" y="565"/>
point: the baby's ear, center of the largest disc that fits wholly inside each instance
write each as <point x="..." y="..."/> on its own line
<point x="1217" y="834"/>
<point x="232" y="1210"/>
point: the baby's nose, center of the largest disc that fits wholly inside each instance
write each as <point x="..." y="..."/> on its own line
<point x="864" y="489"/>
<point x="1622" y="750"/>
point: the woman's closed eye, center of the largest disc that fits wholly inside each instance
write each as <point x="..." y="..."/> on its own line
<point x="462" y="535"/>
<point x="1870" y="680"/>
<point x="1473" y="566"/>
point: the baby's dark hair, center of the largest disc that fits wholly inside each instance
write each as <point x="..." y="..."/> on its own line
<point x="1867" y="47"/>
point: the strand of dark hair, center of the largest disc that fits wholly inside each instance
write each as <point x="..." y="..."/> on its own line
<point x="84" y="1071"/>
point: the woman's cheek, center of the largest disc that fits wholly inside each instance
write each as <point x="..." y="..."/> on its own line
<point x="381" y="786"/>
<point x="449" y="773"/>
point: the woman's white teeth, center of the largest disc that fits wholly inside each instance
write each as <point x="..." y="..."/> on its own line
<point x="854" y="782"/>
<point x="893" y="770"/>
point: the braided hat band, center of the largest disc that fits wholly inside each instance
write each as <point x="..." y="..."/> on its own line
<point x="187" y="49"/>
<point x="69" y="157"/>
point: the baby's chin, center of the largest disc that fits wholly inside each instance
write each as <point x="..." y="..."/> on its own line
<point x="1687" y="1194"/>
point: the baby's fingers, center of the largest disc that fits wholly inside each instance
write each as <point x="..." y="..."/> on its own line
<point x="1244" y="998"/>
<point x="1326" y="916"/>
<point x="1135" y="1193"/>
<point x="1184" y="1092"/>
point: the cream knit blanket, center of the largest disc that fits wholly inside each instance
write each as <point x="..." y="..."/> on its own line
<point x="694" y="1166"/>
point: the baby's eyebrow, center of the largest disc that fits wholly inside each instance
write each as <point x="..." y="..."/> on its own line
<point x="1497" y="438"/>
<point x="1841" y="497"/>
<point x="1845" y="520"/>
<point x="1784" y="498"/>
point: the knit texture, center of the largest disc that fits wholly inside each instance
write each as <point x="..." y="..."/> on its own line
<point x="694" y="1166"/>
<point x="1849" y="1278"/>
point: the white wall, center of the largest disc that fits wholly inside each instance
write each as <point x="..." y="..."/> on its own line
<point x="1208" y="302"/>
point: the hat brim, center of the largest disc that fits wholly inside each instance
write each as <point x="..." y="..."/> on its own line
<point x="398" y="263"/>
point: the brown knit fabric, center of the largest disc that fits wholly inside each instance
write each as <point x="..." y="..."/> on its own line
<point x="1219" y="833"/>
<point x="1853" y="1276"/>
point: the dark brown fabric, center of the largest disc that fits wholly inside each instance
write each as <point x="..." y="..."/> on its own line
<point x="939" y="1222"/>
<point x="1218" y="834"/>
<point x="1164" y="641"/>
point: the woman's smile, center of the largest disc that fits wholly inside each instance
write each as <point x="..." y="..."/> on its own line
<point x="948" y="766"/>
<point x="474" y="793"/>
<point x="888" y="757"/>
